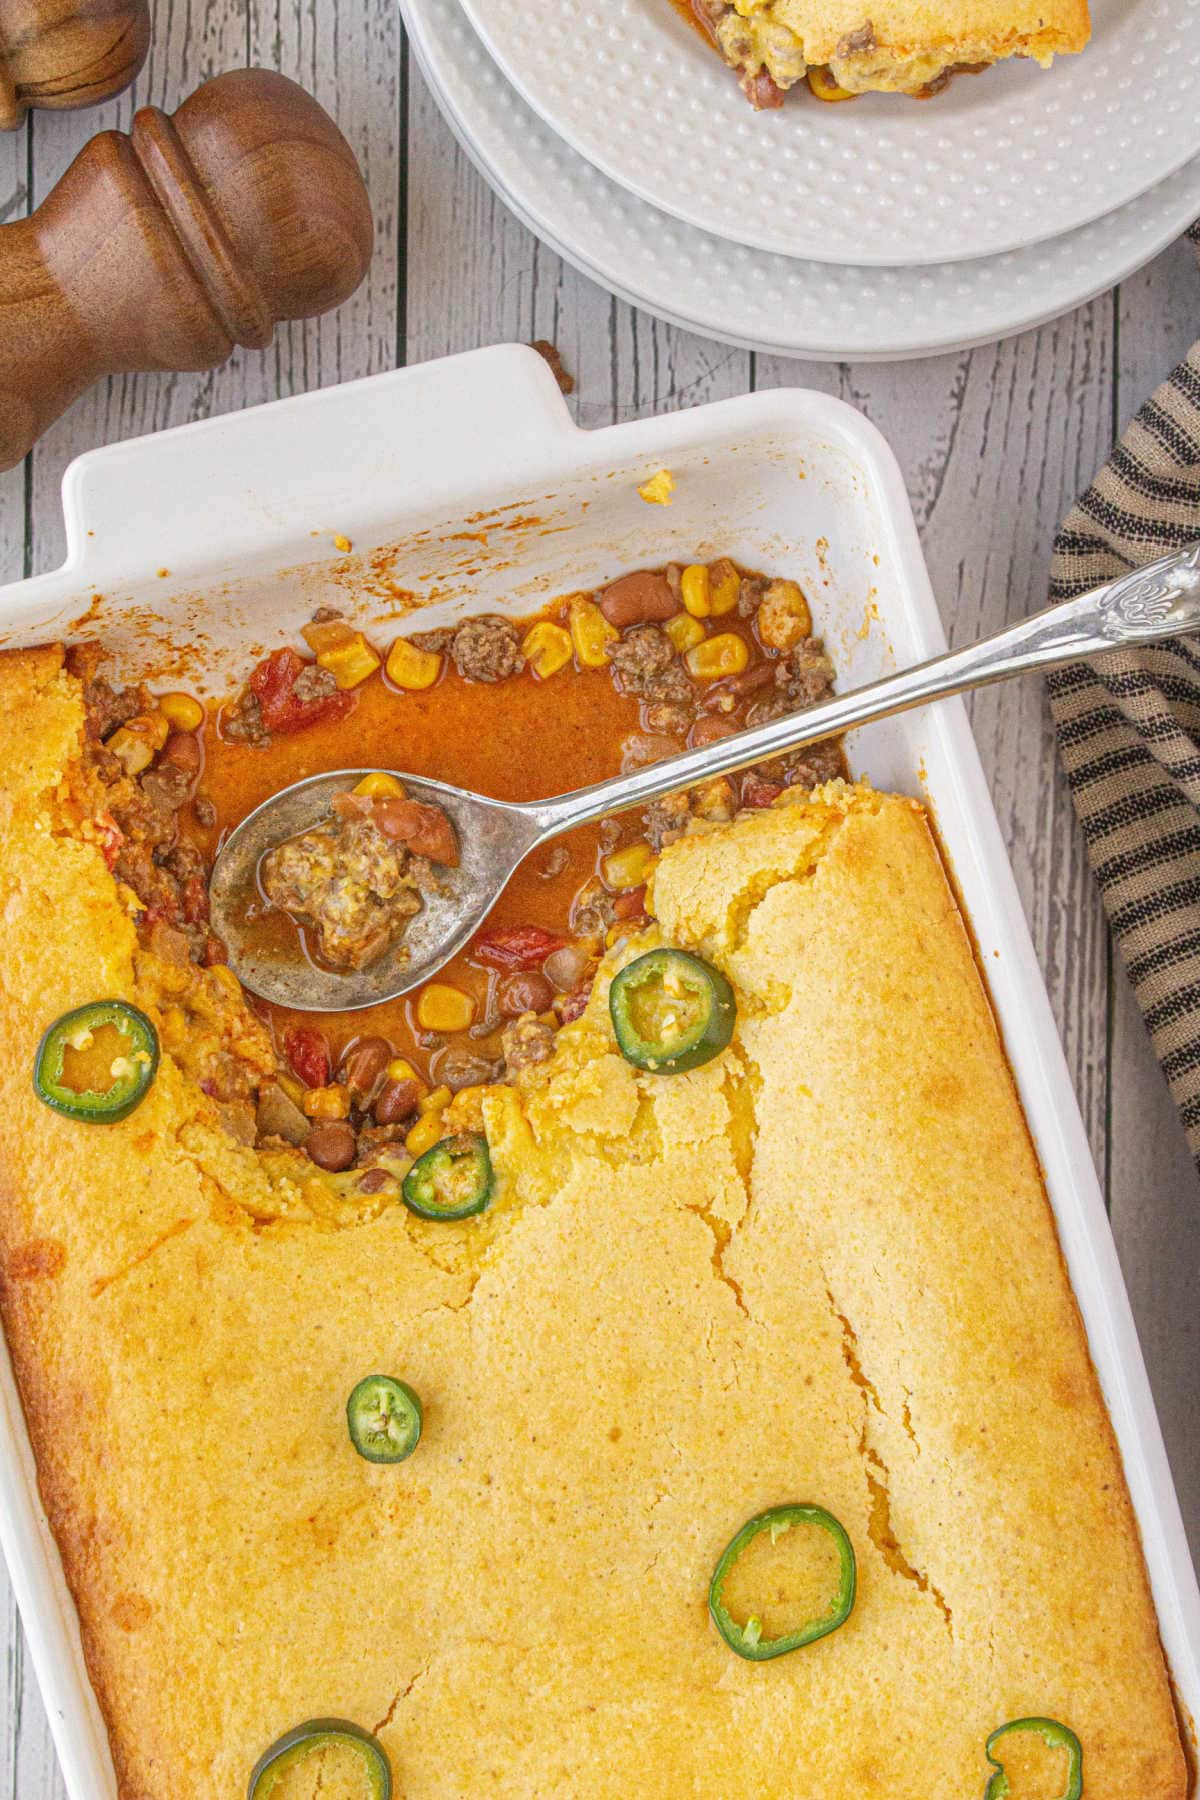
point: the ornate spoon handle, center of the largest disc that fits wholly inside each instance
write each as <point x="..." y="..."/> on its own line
<point x="1159" y="601"/>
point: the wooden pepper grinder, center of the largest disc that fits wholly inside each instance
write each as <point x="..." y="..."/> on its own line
<point x="68" y="53"/>
<point x="166" y="248"/>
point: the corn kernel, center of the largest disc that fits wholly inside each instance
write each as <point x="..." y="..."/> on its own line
<point x="628" y="868"/>
<point x="331" y="1102"/>
<point x="436" y="1102"/>
<point x="825" y="87"/>
<point x="725" y="654"/>
<point x="591" y="634"/>
<point x="548" y="648"/>
<point x="614" y="934"/>
<point x="783" y="616"/>
<point x="181" y="711"/>
<point x="342" y="543"/>
<point x="379" y="785"/>
<point x="411" y="668"/>
<point x="658" y="490"/>
<point x="694" y="591"/>
<point x="465" y="1111"/>
<point x="444" y="1008"/>
<point x="350" y="664"/>
<point x="400" y="1070"/>
<point x="684" y="632"/>
<point x="424" y="1135"/>
<point x="724" y="586"/>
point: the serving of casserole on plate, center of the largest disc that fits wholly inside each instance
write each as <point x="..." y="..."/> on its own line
<point x="912" y="47"/>
<point x="646" y="1358"/>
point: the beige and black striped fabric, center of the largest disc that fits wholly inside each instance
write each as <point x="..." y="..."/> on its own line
<point x="1129" y="727"/>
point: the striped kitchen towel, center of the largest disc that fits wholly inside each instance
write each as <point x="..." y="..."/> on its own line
<point x="1129" y="727"/>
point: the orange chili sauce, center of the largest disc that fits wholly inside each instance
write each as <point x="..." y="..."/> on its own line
<point x="520" y="739"/>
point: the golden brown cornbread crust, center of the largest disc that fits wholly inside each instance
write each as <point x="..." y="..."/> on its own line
<point x="821" y="1268"/>
<point x="905" y="44"/>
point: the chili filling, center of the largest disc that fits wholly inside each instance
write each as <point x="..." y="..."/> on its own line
<point x="671" y="1012"/>
<point x="747" y="1637"/>
<point x="314" y="1740"/>
<point x="97" y="1063"/>
<point x="384" y="1417"/>
<point x="452" y="1181"/>
<point x="1058" y="1737"/>
<point x="635" y="670"/>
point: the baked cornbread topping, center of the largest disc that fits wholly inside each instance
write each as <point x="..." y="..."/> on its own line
<point x="663" y="1412"/>
<point x="912" y="47"/>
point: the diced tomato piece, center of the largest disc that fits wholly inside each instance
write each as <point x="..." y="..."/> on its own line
<point x="424" y="829"/>
<point x="517" y="946"/>
<point x="309" y="1054"/>
<point x="757" y="793"/>
<point x="273" y="684"/>
<point x="631" y="904"/>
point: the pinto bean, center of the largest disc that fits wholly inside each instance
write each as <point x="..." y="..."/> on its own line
<point x="635" y="599"/>
<point x="362" y="1067"/>
<point x="524" y="993"/>
<point x="711" y="727"/>
<point x="424" y="829"/>
<point x="183" y="749"/>
<point x="395" y="1102"/>
<point x="332" y="1145"/>
<point x="567" y="967"/>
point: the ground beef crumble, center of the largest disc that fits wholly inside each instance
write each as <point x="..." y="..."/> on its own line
<point x="487" y="648"/>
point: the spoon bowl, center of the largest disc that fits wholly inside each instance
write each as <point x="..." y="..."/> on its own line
<point x="493" y="838"/>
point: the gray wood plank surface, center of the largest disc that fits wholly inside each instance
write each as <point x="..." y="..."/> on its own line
<point x="994" y="445"/>
<point x="1154" y="1194"/>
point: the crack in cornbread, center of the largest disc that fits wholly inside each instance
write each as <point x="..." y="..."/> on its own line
<point x="520" y="1607"/>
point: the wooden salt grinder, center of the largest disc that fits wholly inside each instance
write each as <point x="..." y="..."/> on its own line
<point x="165" y="248"/>
<point x="68" y="53"/>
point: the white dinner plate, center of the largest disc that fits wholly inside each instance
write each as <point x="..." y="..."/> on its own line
<point x="1010" y="158"/>
<point x="747" y="297"/>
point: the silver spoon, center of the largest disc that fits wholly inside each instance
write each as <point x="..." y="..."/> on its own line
<point x="1160" y="601"/>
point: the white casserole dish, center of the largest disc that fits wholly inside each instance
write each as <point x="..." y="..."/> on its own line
<point x="464" y="486"/>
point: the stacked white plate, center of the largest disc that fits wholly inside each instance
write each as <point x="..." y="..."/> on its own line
<point x="878" y="229"/>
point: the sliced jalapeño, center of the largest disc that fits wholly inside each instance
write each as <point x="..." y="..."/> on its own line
<point x="671" y="1012"/>
<point x="96" y="1063"/>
